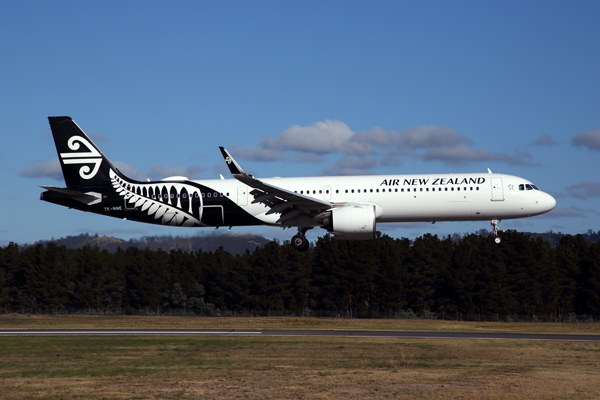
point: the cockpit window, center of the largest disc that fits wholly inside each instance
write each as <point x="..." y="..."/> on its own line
<point x="528" y="186"/>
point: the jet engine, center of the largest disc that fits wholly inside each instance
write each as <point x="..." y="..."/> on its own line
<point x="352" y="222"/>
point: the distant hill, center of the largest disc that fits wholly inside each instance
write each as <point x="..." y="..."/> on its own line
<point x="233" y="243"/>
<point x="554" y="237"/>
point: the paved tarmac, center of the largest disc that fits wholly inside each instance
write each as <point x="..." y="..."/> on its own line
<point x="304" y="332"/>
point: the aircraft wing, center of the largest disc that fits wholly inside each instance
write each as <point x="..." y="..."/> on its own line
<point x="289" y="204"/>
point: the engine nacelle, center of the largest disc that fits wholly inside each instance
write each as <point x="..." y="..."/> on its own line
<point x="352" y="222"/>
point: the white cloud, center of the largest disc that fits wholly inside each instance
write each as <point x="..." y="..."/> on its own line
<point x="49" y="168"/>
<point x="562" y="212"/>
<point x="416" y="137"/>
<point x="351" y="165"/>
<point x="321" y="137"/>
<point x="256" y="154"/>
<point x="309" y="144"/>
<point x="583" y="190"/>
<point x="589" y="139"/>
<point x="461" y="155"/>
<point x="544" y="140"/>
<point x="162" y="171"/>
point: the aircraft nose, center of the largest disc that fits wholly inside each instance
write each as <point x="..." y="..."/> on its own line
<point x="548" y="202"/>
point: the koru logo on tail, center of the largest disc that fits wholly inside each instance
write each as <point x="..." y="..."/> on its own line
<point x="92" y="156"/>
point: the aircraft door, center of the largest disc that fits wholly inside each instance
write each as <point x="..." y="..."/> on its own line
<point x="497" y="190"/>
<point x="327" y="192"/>
<point x="242" y="197"/>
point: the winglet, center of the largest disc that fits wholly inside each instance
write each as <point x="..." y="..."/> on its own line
<point x="234" y="167"/>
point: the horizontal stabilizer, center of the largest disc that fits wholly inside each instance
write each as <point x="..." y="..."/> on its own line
<point x="86" y="198"/>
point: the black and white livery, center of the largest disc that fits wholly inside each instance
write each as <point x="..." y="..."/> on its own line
<point x="348" y="207"/>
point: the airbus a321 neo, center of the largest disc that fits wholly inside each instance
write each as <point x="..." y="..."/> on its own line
<point x="349" y="207"/>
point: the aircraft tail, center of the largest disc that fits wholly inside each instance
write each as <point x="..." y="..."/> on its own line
<point x="81" y="160"/>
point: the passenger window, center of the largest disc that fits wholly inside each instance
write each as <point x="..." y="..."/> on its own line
<point x="352" y="190"/>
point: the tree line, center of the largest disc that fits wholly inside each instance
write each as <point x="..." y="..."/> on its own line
<point x="471" y="275"/>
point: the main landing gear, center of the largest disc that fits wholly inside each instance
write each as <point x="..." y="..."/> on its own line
<point x="299" y="241"/>
<point x="495" y="223"/>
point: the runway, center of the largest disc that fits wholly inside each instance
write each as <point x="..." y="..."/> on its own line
<point x="304" y="332"/>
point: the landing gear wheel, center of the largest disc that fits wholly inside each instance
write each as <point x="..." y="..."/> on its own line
<point x="495" y="230"/>
<point x="300" y="243"/>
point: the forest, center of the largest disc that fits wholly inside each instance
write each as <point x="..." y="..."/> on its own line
<point x="385" y="276"/>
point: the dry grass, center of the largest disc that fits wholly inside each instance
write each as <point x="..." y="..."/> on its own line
<point x="17" y="321"/>
<point x="128" y="367"/>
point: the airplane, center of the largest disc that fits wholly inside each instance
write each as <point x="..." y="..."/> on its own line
<point x="348" y="207"/>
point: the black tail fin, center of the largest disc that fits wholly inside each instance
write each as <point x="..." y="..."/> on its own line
<point x="81" y="160"/>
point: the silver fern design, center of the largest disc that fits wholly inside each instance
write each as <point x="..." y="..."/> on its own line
<point x="173" y="204"/>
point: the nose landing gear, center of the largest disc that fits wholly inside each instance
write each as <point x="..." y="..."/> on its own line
<point x="495" y="223"/>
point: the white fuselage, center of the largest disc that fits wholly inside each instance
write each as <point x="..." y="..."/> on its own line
<point x="407" y="198"/>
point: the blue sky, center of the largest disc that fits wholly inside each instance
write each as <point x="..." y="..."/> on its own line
<point x="302" y="88"/>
